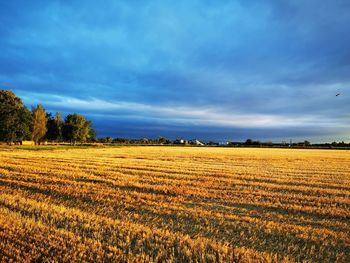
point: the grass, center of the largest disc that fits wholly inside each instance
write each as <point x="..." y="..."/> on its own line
<point x="166" y="204"/>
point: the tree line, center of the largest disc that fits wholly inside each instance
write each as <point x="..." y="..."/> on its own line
<point x="18" y="124"/>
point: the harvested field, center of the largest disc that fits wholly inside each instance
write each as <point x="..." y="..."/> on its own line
<point x="166" y="204"/>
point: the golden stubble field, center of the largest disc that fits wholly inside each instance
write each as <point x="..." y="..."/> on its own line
<point x="174" y="204"/>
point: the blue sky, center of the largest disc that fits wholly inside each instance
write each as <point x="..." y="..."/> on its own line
<point x="220" y="70"/>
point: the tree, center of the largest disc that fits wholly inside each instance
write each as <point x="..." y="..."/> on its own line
<point x="39" y="124"/>
<point x="307" y="143"/>
<point x="76" y="128"/>
<point x="249" y="142"/>
<point x="92" y="135"/>
<point x="15" y="118"/>
<point x="58" y="122"/>
<point x="54" y="127"/>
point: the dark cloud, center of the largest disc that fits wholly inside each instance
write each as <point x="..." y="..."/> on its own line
<point x="276" y="60"/>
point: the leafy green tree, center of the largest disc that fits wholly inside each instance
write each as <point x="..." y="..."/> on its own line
<point x="15" y="118"/>
<point x="50" y="133"/>
<point x="58" y="122"/>
<point x="39" y="124"/>
<point x="76" y="128"/>
<point x="54" y="127"/>
<point x="92" y="135"/>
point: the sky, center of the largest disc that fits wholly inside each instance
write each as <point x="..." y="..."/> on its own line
<point x="212" y="70"/>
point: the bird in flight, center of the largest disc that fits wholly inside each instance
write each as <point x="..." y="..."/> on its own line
<point x="337" y="94"/>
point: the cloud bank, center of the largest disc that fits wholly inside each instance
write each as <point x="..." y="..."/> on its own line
<point x="208" y="69"/>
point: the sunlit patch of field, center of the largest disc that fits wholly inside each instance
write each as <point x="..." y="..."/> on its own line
<point x="165" y="204"/>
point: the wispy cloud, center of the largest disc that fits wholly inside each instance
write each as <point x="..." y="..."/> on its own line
<point x="186" y="115"/>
